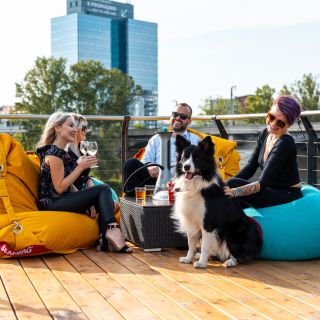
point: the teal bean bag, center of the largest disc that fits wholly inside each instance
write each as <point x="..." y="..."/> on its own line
<point x="291" y="231"/>
<point x="113" y="193"/>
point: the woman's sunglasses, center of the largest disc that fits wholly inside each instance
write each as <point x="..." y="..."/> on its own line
<point x="181" y="115"/>
<point x="84" y="128"/>
<point x="270" y="117"/>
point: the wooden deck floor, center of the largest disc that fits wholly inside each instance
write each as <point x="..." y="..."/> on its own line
<point x="92" y="285"/>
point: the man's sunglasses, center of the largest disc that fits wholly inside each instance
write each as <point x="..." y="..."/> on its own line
<point x="181" y="115"/>
<point x="281" y="124"/>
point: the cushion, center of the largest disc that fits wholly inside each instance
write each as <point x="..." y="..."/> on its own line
<point x="291" y="231"/>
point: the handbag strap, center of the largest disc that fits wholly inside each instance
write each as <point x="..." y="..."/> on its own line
<point x="150" y="164"/>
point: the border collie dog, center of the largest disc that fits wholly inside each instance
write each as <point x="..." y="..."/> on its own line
<point x="204" y="213"/>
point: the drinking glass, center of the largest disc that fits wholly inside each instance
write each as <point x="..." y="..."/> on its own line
<point x="84" y="147"/>
<point x="92" y="150"/>
<point x="149" y="190"/>
<point x="140" y="194"/>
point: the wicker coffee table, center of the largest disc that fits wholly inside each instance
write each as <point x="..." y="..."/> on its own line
<point x="149" y="226"/>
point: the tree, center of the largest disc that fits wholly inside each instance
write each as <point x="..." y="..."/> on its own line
<point x="215" y="107"/>
<point x="307" y="91"/>
<point x="96" y="90"/>
<point x="45" y="88"/>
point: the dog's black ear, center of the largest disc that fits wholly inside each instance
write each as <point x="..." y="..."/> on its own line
<point x="207" y="145"/>
<point x="181" y="143"/>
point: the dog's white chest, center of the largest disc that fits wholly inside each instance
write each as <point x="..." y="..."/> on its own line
<point x="189" y="209"/>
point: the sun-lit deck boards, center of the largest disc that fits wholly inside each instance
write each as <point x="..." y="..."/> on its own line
<point x="92" y="285"/>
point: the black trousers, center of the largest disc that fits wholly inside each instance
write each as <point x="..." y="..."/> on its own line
<point x="140" y="179"/>
<point x="98" y="196"/>
<point x="266" y="197"/>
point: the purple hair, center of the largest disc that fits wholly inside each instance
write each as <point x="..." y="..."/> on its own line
<point x="289" y="107"/>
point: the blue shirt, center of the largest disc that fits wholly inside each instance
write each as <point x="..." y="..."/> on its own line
<point x="152" y="150"/>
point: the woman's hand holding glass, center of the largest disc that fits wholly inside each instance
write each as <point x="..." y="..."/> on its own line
<point x="87" y="162"/>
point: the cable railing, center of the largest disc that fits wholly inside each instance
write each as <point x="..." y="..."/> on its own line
<point x="119" y="138"/>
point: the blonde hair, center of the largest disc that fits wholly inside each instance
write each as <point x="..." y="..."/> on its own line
<point x="49" y="134"/>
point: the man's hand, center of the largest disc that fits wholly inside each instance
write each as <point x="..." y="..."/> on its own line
<point x="153" y="171"/>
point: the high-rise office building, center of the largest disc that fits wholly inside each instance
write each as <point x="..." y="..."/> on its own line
<point x="106" y="31"/>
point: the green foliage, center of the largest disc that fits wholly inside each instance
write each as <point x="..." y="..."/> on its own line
<point x="217" y="106"/>
<point x="261" y="101"/>
<point x="96" y="90"/>
<point x="45" y="88"/>
<point x="307" y="91"/>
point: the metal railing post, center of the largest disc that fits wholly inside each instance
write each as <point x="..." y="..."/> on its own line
<point x="221" y="128"/>
<point x="312" y="150"/>
<point x="124" y="140"/>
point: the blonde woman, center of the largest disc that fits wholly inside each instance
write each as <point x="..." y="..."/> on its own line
<point x="58" y="172"/>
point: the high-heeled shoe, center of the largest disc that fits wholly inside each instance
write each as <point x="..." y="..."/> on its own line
<point x="111" y="246"/>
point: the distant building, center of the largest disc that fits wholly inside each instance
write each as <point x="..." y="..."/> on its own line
<point x="106" y="31"/>
<point x="7" y="126"/>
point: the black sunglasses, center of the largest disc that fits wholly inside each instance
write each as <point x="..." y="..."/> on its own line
<point x="281" y="124"/>
<point x="84" y="128"/>
<point x="181" y="115"/>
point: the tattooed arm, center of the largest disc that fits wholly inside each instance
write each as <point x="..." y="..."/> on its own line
<point x="245" y="190"/>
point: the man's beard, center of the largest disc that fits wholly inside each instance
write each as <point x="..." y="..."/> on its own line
<point x="181" y="128"/>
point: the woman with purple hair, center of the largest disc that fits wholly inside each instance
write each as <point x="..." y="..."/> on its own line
<point x="276" y="155"/>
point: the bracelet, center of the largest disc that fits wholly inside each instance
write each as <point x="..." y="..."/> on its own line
<point x="236" y="192"/>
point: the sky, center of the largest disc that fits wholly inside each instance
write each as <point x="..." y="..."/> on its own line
<point x="205" y="47"/>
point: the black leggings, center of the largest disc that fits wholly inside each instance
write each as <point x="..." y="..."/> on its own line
<point x="140" y="179"/>
<point x="266" y="197"/>
<point x="80" y="201"/>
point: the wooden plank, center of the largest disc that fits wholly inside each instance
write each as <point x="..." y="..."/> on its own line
<point x="92" y="304"/>
<point x="304" y="273"/>
<point x="57" y="300"/>
<point x="6" y="312"/>
<point x="220" y="299"/>
<point x="23" y="297"/>
<point x="124" y="302"/>
<point x="147" y="294"/>
<point x="293" y="280"/>
<point x="293" y="291"/>
<point x="197" y="307"/>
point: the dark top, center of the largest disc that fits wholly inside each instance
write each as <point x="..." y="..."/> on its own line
<point x="81" y="181"/>
<point x="47" y="192"/>
<point x="280" y="170"/>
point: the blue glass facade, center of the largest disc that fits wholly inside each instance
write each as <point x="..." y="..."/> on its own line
<point x="142" y="53"/>
<point x="105" y="31"/>
<point x="80" y="36"/>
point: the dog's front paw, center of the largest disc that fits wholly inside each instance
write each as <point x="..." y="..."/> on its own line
<point x="199" y="265"/>
<point x="185" y="260"/>
<point x="232" y="262"/>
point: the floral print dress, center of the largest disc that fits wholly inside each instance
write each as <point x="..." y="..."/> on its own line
<point x="47" y="192"/>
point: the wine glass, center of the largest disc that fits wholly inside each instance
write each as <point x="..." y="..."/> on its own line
<point x="92" y="150"/>
<point x="84" y="146"/>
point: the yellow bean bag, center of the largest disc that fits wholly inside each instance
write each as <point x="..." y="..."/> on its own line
<point x="25" y="231"/>
<point x="226" y="154"/>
